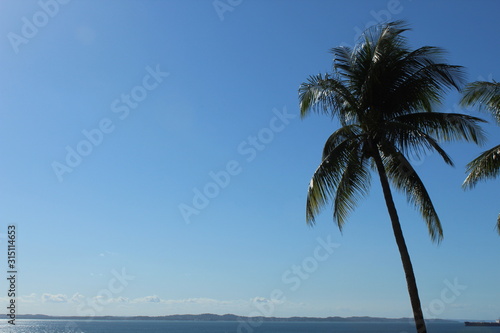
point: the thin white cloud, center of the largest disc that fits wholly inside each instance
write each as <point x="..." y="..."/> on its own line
<point x="120" y="300"/>
<point x="148" y="299"/>
<point x="186" y="302"/>
<point x="155" y="305"/>
<point x="32" y="298"/>
<point x="54" y="298"/>
<point x="197" y="301"/>
<point x="77" y="298"/>
<point x="108" y="254"/>
<point x="263" y="300"/>
<point x="152" y="299"/>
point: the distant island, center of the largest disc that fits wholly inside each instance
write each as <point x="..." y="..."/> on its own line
<point x="229" y="317"/>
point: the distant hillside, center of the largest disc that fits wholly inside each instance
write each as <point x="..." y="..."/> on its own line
<point x="227" y="317"/>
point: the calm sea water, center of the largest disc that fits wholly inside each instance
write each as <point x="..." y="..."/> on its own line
<point x="157" y="326"/>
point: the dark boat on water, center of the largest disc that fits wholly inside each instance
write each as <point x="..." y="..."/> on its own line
<point x="482" y="323"/>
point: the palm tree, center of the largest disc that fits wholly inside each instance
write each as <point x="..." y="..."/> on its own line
<point x="487" y="164"/>
<point x="384" y="95"/>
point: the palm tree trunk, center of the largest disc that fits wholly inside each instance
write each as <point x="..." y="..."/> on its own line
<point x="403" y="250"/>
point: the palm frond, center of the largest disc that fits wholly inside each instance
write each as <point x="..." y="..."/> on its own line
<point x="344" y="133"/>
<point x="446" y="126"/>
<point x="326" y="94"/>
<point x="485" y="166"/>
<point x="485" y="94"/>
<point x="326" y="178"/>
<point x="353" y="185"/>
<point x="342" y="60"/>
<point x="420" y="85"/>
<point x="410" y="140"/>
<point x="404" y="177"/>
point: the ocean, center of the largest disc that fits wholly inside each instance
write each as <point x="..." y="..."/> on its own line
<point x="161" y="326"/>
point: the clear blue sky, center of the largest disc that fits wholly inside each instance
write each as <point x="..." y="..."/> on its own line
<point x="158" y="99"/>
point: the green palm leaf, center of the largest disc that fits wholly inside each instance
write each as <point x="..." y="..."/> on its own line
<point x="348" y="132"/>
<point x="353" y="185"/>
<point x="485" y="94"/>
<point x="328" y="175"/>
<point x="404" y="178"/>
<point x="325" y="180"/>
<point x="410" y="140"/>
<point x="324" y="94"/>
<point x="485" y="166"/>
<point x="446" y="126"/>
